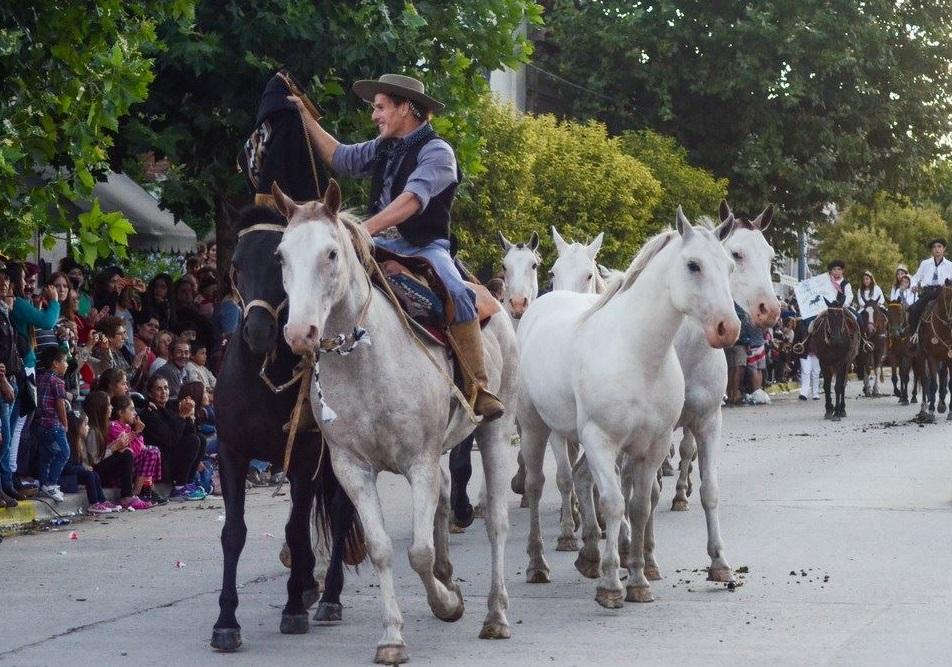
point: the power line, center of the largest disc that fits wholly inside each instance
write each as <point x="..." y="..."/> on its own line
<point x="570" y="83"/>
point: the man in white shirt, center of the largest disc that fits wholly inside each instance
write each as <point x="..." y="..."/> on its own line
<point x="928" y="281"/>
<point x="844" y="291"/>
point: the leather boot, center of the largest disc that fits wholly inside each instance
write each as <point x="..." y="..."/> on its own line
<point x="467" y="342"/>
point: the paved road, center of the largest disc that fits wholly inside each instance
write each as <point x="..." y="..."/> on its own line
<point x="845" y="529"/>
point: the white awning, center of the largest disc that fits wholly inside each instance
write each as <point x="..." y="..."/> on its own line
<point x="156" y="228"/>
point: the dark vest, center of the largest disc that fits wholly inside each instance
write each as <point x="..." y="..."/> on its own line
<point x="431" y="223"/>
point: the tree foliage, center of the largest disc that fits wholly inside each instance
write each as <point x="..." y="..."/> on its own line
<point x="210" y="78"/>
<point x="878" y="236"/>
<point x="540" y="172"/>
<point x="696" y="190"/>
<point x="799" y="104"/>
<point x="70" y="72"/>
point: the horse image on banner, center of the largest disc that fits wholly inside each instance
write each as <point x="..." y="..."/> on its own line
<point x="811" y="294"/>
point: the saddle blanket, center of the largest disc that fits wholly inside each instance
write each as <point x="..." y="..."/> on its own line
<point x="424" y="299"/>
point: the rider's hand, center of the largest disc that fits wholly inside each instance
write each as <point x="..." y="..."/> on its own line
<point x="298" y="102"/>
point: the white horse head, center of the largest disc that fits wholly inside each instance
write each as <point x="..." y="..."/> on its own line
<point x="521" y="264"/>
<point x="751" y="283"/>
<point x="314" y="256"/>
<point x="699" y="280"/>
<point x="575" y="269"/>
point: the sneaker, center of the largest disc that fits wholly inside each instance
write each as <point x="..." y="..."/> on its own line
<point x="185" y="493"/>
<point x="52" y="491"/>
<point x="113" y="507"/>
<point x="802" y="397"/>
<point x="99" y="508"/>
<point x="136" y="503"/>
<point x="149" y="495"/>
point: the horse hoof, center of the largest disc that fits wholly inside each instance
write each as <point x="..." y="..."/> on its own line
<point x="524" y="502"/>
<point x="518" y="484"/>
<point x="610" y="599"/>
<point x="720" y="574"/>
<point x="294" y="624"/>
<point x="391" y="654"/>
<point x="941" y="408"/>
<point x="836" y="418"/>
<point x="328" y="613"/>
<point x="667" y="470"/>
<point x="653" y="573"/>
<point x="915" y="400"/>
<point x="479" y="512"/>
<point x="495" y="631"/>
<point x="638" y="594"/>
<point x="455" y="613"/>
<point x="310" y="596"/>
<point x="285" y="556"/>
<point x="455" y="528"/>
<point x="588" y="568"/>
<point x="679" y="505"/>
<point x="226" y="639"/>
<point x="903" y="401"/>
<point x="567" y="543"/>
<point x="537" y="575"/>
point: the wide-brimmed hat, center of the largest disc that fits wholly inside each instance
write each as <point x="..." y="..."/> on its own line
<point x="937" y="240"/>
<point x="397" y="84"/>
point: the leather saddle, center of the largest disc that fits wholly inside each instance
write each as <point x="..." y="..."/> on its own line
<point x="423" y="296"/>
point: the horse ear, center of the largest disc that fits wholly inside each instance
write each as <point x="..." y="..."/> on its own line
<point x="534" y="241"/>
<point x="724" y="210"/>
<point x="828" y="302"/>
<point x="332" y="198"/>
<point x="286" y="206"/>
<point x="595" y="245"/>
<point x="726" y="228"/>
<point x="682" y="225"/>
<point x="763" y="220"/>
<point x="503" y="242"/>
<point x="560" y="243"/>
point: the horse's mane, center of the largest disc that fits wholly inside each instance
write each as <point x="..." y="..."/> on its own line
<point x="648" y="251"/>
<point x="363" y="244"/>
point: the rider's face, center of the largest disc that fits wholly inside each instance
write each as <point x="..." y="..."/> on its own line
<point x="836" y="272"/>
<point x="389" y="118"/>
<point x="938" y="250"/>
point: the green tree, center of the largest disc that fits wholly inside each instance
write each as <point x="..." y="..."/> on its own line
<point x="210" y="78"/>
<point x="878" y="236"/>
<point x="696" y="190"/>
<point x="799" y="104"/>
<point x="540" y="172"/>
<point x="70" y="72"/>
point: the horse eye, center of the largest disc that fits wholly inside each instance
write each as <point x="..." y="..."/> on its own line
<point x="737" y="256"/>
<point x="589" y="277"/>
<point x="535" y="266"/>
<point x="332" y="255"/>
<point x="694" y="267"/>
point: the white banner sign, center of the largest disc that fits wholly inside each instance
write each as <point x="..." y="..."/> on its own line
<point x="811" y="294"/>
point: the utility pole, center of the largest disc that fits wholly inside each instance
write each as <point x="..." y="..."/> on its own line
<point x="801" y="255"/>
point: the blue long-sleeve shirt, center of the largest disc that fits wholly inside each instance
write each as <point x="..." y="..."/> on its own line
<point x="24" y="315"/>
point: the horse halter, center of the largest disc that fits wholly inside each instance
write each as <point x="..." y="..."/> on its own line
<point x="273" y="311"/>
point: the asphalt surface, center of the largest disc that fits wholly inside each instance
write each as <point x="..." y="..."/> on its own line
<point x="844" y="529"/>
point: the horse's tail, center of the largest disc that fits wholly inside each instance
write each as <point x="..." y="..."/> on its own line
<point x="355" y="546"/>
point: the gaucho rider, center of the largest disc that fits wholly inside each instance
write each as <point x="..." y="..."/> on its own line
<point x="928" y="282"/>
<point x="414" y="177"/>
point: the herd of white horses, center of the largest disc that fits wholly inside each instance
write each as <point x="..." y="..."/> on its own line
<point x="600" y="369"/>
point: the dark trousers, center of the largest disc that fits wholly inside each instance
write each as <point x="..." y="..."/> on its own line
<point x="926" y="296"/>
<point x="119" y="467"/>
<point x="184" y="458"/>
<point x="88" y="478"/>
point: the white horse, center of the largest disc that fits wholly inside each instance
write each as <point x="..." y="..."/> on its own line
<point x="393" y="408"/>
<point x="705" y="375"/>
<point x="601" y="370"/>
<point x="575" y="268"/>
<point x="520" y="262"/>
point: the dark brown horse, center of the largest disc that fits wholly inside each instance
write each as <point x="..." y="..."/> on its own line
<point x="935" y="353"/>
<point x="874" y="329"/>
<point x="836" y="338"/>
<point x="900" y="354"/>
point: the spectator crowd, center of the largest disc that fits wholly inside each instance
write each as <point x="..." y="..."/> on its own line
<point x="106" y="381"/>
